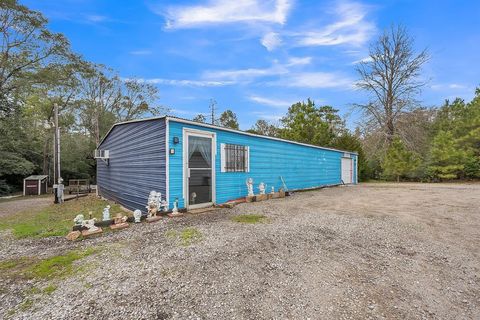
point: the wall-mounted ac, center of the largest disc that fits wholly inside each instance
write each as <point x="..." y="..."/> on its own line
<point x="104" y="155"/>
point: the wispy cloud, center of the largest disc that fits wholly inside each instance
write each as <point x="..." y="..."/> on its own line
<point x="271" y="41"/>
<point x="315" y="80"/>
<point x="227" y="11"/>
<point x="276" y="103"/>
<point x="351" y="27"/>
<point x="267" y="115"/>
<point x="96" y="18"/>
<point x="186" y="82"/>
<point x="249" y="74"/>
<point x="140" y="52"/>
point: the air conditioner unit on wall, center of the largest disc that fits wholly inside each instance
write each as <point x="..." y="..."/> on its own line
<point x="104" y="155"/>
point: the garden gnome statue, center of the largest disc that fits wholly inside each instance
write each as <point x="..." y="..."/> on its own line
<point x="250" y="187"/>
<point x="137" y="214"/>
<point x="106" y="213"/>
<point x="261" y="188"/>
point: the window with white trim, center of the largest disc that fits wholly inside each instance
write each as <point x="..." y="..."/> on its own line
<point x="235" y="158"/>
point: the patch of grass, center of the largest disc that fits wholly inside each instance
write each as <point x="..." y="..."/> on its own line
<point x="250" y="218"/>
<point x="49" y="289"/>
<point x="56" y="219"/>
<point x="186" y="236"/>
<point x="53" y="267"/>
<point x="26" y="304"/>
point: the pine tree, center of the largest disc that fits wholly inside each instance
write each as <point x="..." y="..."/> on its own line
<point x="446" y="158"/>
<point x="398" y="161"/>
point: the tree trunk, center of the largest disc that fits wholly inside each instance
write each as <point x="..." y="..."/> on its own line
<point x="398" y="178"/>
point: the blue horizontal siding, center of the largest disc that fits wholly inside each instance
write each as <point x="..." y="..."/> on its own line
<point x="300" y="166"/>
<point x="137" y="163"/>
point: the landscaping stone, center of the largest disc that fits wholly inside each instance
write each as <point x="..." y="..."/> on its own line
<point x="119" y="226"/>
<point x="261" y="197"/>
<point x="73" y="235"/>
<point x="87" y="233"/>
<point x="250" y="199"/>
<point x="153" y="219"/>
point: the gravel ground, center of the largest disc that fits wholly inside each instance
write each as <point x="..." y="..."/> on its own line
<point x="12" y="206"/>
<point x="394" y="251"/>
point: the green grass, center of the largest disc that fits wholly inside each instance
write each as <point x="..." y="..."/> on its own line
<point x="49" y="289"/>
<point x="49" y="268"/>
<point x="250" y="218"/>
<point x="186" y="236"/>
<point x="56" y="219"/>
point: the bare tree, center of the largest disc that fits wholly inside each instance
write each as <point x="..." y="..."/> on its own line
<point x="391" y="77"/>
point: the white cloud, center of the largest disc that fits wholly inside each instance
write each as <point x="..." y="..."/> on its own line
<point x="250" y="74"/>
<point x="192" y="83"/>
<point x="267" y="115"/>
<point x="96" y="18"/>
<point x="271" y="102"/>
<point x="271" y="41"/>
<point x="350" y="28"/>
<point x="140" y="52"/>
<point x="315" y="80"/>
<point x="228" y="11"/>
<point x="366" y="59"/>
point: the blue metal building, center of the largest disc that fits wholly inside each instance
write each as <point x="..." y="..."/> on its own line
<point x="200" y="164"/>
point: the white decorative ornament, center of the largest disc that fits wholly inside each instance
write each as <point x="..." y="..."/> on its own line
<point x="79" y="220"/>
<point x="90" y="224"/>
<point x="273" y="190"/>
<point x="137" y="214"/>
<point x="164" y="206"/>
<point x="261" y="187"/>
<point x="249" y="184"/>
<point x="175" y="206"/>
<point x="106" y="213"/>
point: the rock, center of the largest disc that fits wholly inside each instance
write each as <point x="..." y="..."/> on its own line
<point x="250" y="199"/>
<point x="153" y="219"/>
<point x="173" y="215"/>
<point x="87" y="233"/>
<point x="261" y="197"/>
<point x="119" y="226"/>
<point x="73" y="235"/>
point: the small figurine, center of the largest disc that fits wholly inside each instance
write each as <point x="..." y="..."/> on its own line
<point x="273" y="190"/>
<point x="193" y="197"/>
<point x="261" y="187"/>
<point x="152" y="209"/>
<point x="60" y="191"/>
<point x="90" y="224"/>
<point x="164" y="206"/>
<point x="249" y="183"/>
<point x="79" y="220"/>
<point x="137" y="214"/>
<point x="119" y="219"/>
<point x="175" y="206"/>
<point x="106" y="213"/>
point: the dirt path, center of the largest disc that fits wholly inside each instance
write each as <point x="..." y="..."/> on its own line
<point x="12" y="206"/>
<point x="373" y="251"/>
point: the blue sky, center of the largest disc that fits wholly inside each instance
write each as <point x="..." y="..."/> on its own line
<point x="258" y="57"/>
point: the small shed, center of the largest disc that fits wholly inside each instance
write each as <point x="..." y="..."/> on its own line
<point x="35" y="185"/>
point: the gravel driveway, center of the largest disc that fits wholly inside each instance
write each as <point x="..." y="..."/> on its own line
<point x="394" y="251"/>
<point x="12" y="206"/>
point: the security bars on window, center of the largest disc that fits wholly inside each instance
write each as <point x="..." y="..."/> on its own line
<point x="235" y="158"/>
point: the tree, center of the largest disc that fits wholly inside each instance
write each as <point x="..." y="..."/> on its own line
<point x="398" y="161"/>
<point x="137" y="99"/>
<point x="228" y="119"/>
<point x="304" y="122"/>
<point x="446" y="159"/>
<point x="265" y="128"/>
<point x="390" y="76"/>
<point x="200" y="118"/>
<point x="27" y="47"/>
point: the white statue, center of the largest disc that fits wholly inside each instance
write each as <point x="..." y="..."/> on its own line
<point x="60" y="191"/>
<point x="261" y="187"/>
<point x="164" y="206"/>
<point x="90" y="224"/>
<point x="175" y="206"/>
<point x="106" y="213"/>
<point x="152" y="209"/>
<point x="153" y="204"/>
<point x="79" y="220"/>
<point x="137" y="214"/>
<point x="273" y="190"/>
<point x="249" y="183"/>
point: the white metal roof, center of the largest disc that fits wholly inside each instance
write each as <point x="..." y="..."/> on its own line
<point x="201" y="124"/>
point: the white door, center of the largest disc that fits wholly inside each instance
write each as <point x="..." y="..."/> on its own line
<point x="199" y="151"/>
<point x="347" y="170"/>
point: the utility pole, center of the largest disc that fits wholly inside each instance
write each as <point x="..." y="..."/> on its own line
<point x="213" y="105"/>
<point x="56" y="154"/>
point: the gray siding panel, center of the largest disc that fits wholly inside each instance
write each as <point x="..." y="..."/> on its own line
<point x="136" y="165"/>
